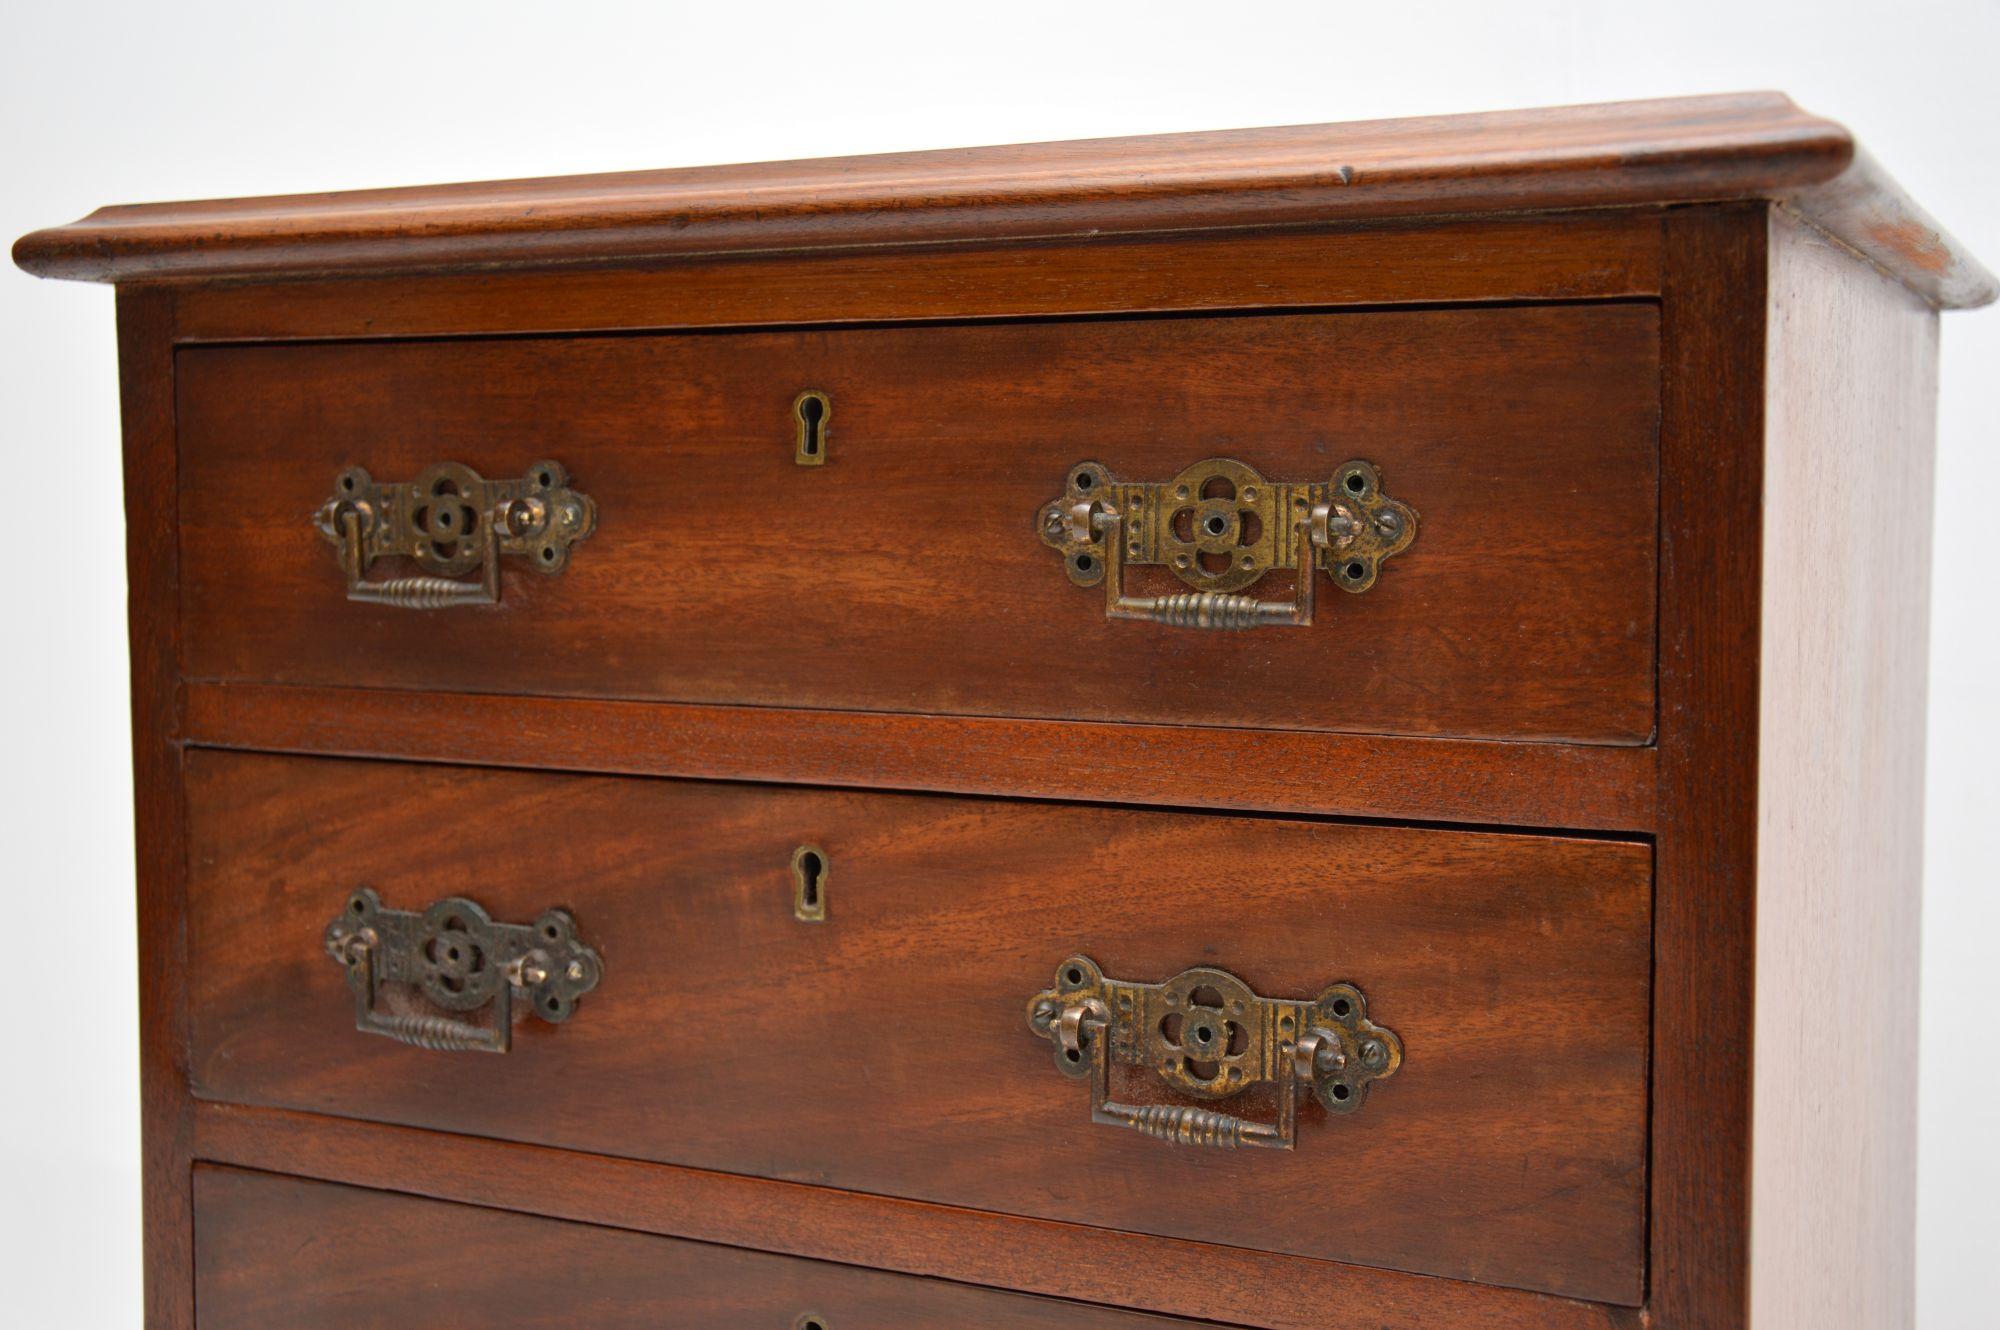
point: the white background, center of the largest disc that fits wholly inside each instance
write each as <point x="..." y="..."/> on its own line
<point x="119" y="101"/>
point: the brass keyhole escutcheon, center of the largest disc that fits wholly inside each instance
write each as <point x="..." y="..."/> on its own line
<point x="809" y="872"/>
<point x="812" y="410"/>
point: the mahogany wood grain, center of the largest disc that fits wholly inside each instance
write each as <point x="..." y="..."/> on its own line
<point x="1624" y="153"/>
<point x="1850" y="393"/>
<point x="1059" y="1260"/>
<point x="1579" y="786"/>
<point x="1567" y="256"/>
<point x="1711" y="445"/>
<point x="907" y="573"/>
<point x="276" y="1251"/>
<point x="1680" y="150"/>
<point x="146" y="386"/>
<point x="886" y="1051"/>
<point x="1704" y="397"/>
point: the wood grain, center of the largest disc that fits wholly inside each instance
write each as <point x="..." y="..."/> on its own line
<point x="1711" y="446"/>
<point x="1633" y="1066"/>
<point x="276" y="1251"/>
<point x="886" y="1051"/>
<point x="146" y="386"/>
<point x="1676" y="150"/>
<point x="1590" y="787"/>
<point x="1850" y="397"/>
<point x="1566" y="256"/>
<point x="907" y="573"/>
<point x="1681" y="150"/>
<point x="1059" y="1260"/>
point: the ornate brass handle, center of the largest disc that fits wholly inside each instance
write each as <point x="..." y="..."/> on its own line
<point x="1220" y="526"/>
<point x="460" y="960"/>
<point x="450" y="522"/>
<point x="1207" y="1034"/>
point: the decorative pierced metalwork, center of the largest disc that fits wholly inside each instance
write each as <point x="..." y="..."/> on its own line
<point x="1220" y="526"/>
<point x="451" y="522"/>
<point x="459" y="960"/>
<point x="1205" y="1033"/>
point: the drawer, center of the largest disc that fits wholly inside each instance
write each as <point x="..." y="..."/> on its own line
<point x="274" y="1251"/>
<point x="908" y="572"/>
<point x="886" y="1047"/>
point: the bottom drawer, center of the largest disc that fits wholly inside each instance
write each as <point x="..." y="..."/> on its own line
<point x="274" y="1251"/>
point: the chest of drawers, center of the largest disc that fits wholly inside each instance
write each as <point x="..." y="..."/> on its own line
<point x="1298" y="728"/>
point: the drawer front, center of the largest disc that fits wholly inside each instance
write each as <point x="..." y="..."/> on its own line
<point x="908" y="572"/>
<point x="886" y="1046"/>
<point x="283" y="1252"/>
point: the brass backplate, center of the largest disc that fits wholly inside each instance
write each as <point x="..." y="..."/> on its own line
<point x="1220" y="526"/>
<point x="451" y="522"/>
<point x="456" y="958"/>
<point x="1205" y="1033"/>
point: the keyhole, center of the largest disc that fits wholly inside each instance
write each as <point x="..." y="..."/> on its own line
<point x="809" y="883"/>
<point x="812" y="409"/>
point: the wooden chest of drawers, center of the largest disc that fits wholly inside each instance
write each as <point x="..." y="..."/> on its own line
<point x="1299" y="728"/>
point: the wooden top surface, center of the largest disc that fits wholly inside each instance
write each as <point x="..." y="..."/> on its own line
<point x="1682" y="150"/>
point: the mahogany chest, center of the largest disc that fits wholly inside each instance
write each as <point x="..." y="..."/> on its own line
<point x="1314" y="727"/>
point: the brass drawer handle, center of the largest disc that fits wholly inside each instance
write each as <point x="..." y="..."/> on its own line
<point x="460" y="960"/>
<point x="1207" y="1034"/>
<point x="450" y="522"/>
<point x="1220" y="527"/>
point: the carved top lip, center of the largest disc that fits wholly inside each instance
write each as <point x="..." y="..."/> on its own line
<point x="1622" y="154"/>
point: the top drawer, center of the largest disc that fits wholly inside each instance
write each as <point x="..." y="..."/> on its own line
<point x="908" y="572"/>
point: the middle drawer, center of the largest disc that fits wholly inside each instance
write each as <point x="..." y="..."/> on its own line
<point x="888" y="1045"/>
